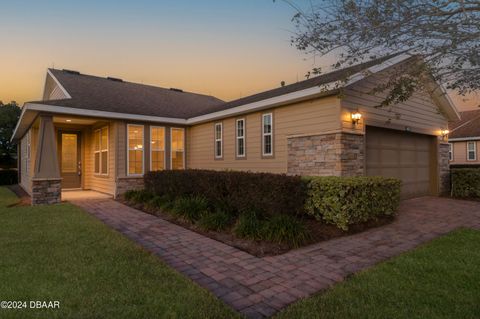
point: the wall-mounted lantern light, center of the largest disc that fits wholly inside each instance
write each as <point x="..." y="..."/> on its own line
<point x="356" y="116"/>
<point x="445" y="134"/>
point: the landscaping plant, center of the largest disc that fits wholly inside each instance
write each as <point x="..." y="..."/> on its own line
<point x="216" y="221"/>
<point x="190" y="208"/>
<point x="248" y="225"/>
<point x="344" y="201"/>
<point x="285" y="229"/>
<point x="466" y="182"/>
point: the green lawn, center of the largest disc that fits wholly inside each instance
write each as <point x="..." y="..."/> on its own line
<point x="61" y="253"/>
<point x="438" y="280"/>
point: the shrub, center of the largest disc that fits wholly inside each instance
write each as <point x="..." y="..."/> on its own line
<point x="344" y="201"/>
<point x="190" y="208"/>
<point x="233" y="191"/>
<point x="158" y="202"/>
<point x="248" y="225"/>
<point x="8" y="176"/>
<point x="130" y="194"/>
<point x="285" y="229"/>
<point x="216" y="221"/>
<point x="466" y="182"/>
<point x="138" y="196"/>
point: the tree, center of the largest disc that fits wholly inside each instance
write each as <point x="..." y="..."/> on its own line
<point x="9" y="114"/>
<point x="445" y="33"/>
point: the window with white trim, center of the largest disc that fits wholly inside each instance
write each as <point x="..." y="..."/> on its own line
<point x="177" y="154"/>
<point x="240" y="133"/>
<point x="100" y="151"/>
<point x="157" y="148"/>
<point x="135" y="156"/>
<point x="450" y="151"/>
<point x="267" y="134"/>
<point x="471" y="151"/>
<point x="218" y="140"/>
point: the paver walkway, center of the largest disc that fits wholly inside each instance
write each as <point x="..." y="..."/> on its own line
<point x="259" y="287"/>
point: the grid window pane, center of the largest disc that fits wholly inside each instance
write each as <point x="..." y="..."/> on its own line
<point x="135" y="149"/>
<point x="96" y="140"/>
<point x="267" y="144"/>
<point x="104" y="139"/>
<point x="97" y="163"/>
<point x="267" y="123"/>
<point x="177" y="148"/>
<point x="177" y="160"/>
<point x="240" y="147"/>
<point x="158" y="162"/>
<point x="104" y="165"/>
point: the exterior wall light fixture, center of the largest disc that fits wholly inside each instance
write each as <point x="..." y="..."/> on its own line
<point x="356" y="116"/>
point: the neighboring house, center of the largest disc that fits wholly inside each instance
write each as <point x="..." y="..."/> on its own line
<point x="464" y="140"/>
<point x="103" y="134"/>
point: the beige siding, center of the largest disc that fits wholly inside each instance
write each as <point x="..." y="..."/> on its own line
<point x="305" y="118"/>
<point x="420" y="114"/>
<point x="28" y="160"/>
<point x="121" y="146"/>
<point x="52" y="91"/>
<point x="460" y="153"/>
<point x="101" y="183"/>
<point x="25" y="167"/>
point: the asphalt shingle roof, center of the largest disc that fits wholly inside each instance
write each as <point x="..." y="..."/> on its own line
<point x="467" y="126"/>
<point x="103" y="94"/>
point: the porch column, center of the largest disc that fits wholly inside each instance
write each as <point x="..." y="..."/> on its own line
<point x="46" y="188"/>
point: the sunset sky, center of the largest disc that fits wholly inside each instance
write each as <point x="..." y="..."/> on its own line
<point x="228" y="49"/>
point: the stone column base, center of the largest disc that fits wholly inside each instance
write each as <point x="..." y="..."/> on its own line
<point x="46" y="191"/>
<point x="125" y="184"/>
<point x="332" y="154"/>
<point x="443" y="168"/>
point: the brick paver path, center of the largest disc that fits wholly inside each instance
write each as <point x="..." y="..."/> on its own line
<point x="259" y="287"/>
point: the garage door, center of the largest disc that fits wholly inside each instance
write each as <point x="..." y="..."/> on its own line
<point x="403" y="155"/>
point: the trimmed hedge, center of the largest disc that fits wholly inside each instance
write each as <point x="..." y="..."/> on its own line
<point x="345" y="201"/>
<point x="8" y="177"/>
<point x="232" y="191"/>
<point x="466" y="182"/>
<point x="341" y="201"/>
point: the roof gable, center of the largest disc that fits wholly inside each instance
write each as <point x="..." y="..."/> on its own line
<point x="115" y="95"/>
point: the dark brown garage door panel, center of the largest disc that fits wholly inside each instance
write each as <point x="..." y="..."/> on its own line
<point x="402" y="155"/>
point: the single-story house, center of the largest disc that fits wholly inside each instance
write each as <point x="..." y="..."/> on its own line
<point x="103" y="134"/>
<point x="464" y="140"/>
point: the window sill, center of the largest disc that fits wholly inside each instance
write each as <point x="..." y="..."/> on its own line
<point x="101" y="175"/>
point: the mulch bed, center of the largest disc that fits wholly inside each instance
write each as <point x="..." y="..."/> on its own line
<point x="319" y="232"/>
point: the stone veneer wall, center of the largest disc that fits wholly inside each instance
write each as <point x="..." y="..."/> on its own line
<point x="444" y="168"/>
<point x="46" y="191"/>
<point x="128" y="183"/>
<point x="335" y="154"/>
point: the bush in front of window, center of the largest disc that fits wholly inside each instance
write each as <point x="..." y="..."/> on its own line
<point x="232" y="191"/>
<point x="466" y="182"/>
<point x="8" y="177"/>
<point x="345" y="201"/>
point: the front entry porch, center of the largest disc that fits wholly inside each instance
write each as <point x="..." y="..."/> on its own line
<point x="73" y="158"/>
<point x="75" y="195"/>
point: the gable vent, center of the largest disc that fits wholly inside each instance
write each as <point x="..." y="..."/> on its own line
<point x="114" y="79"/>
<point x="176" y="90"/>
<point x="71" y="71"/>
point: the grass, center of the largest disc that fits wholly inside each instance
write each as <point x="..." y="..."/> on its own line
<point x="61" y="253"/>
<point x="438" y="280"/>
